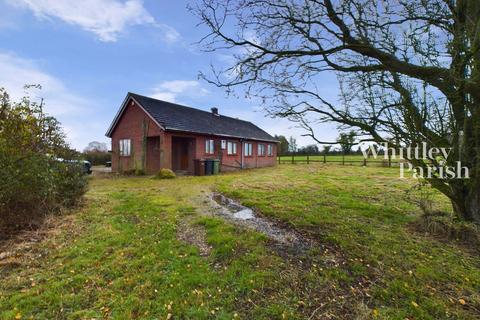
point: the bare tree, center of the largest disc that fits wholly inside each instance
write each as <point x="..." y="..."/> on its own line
<point x="408" y="70"/>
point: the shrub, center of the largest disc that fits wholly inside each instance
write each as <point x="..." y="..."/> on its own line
<point x="139" y="172"/>
<point x="446" y="226"/>
<point x="71" y="183"/>
<point x="34" y="180"/>
<point x="165" y="174"/>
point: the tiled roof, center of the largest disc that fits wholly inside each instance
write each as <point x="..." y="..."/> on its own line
<point x="176" y="117"/>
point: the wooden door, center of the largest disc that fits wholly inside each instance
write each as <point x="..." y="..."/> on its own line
<point x="184" y="155"/>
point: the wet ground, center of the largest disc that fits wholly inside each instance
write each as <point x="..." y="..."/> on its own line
<point x="244" y="216"/>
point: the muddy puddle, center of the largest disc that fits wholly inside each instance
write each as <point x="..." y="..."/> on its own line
<point x="241" y="215"/>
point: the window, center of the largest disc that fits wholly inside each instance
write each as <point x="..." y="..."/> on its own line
<point x="209" y="146"/>
<point x="248" y="150"/>
<point x="224" y="144"/>
<point x="124" y="147"/>
<point x="231" y="148"/>
<point x="270" y="150"/>
<point x="261" y="150"/>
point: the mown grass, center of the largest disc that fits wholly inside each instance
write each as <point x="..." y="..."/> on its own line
<point x="120" y="258"/>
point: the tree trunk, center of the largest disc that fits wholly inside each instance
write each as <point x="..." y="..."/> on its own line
<point x="466" y="204"/>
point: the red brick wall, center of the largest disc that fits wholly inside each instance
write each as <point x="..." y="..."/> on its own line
<point x="130" y="126"/>
<point x="229" y="162"/>
<point x="233" y="162"/>
<point x="256" y="161"/>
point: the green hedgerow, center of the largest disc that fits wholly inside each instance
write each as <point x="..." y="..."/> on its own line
<point x="37" y="175"/>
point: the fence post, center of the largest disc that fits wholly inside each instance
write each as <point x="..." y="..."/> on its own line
<point x="343" y="158"/>
<point x="308" y="159"/>
<point x="365" y="162"/>
<point x="293" y="158"/>
<point x="278" y="157"/>
<point x="389" y="160"/>
<point x="324" y="158"/>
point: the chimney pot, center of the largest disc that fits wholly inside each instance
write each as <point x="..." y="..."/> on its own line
<point x="214" y="111"/>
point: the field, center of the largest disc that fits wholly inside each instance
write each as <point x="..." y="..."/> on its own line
<point x="141" y="248"/>
<point x="356" y="159"/>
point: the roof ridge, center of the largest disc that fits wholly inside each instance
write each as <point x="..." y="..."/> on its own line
<point x="188" y="107"/>
<point x="199" y="120"/>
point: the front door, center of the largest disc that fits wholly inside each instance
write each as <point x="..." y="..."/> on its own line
<point x="184" y="155"/>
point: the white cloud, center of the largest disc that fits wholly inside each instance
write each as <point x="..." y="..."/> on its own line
<point x="168" y="34"/>
<point x="16" y="72"/>
<point x="172" y="90"/>
<point x="72" y="110"/>
<point x="105" y="18"/>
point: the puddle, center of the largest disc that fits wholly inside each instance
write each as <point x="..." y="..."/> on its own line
<point x="239" y="214"/>
<point x="244" y="214"/>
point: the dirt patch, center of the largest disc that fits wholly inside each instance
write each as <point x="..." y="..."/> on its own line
<point x="194" y="235"/>
<point x="24" y="250"/>
<point x="283" y="236"/>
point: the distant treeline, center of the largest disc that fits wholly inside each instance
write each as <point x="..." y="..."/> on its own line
<point x="289" y="147"/>
<point x="97" y="153"/>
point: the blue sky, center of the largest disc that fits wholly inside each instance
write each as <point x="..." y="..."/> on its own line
<point x="88" y="54"/>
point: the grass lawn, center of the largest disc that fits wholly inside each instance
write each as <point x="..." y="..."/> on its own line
<point x="122" y="256"/>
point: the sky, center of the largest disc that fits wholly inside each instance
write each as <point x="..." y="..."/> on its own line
<point x="88" y="54"/>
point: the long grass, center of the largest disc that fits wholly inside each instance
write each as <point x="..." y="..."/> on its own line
<point x="120" y="256"/>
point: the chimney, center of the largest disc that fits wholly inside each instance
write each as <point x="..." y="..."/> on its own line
<point x="214" y="111"/>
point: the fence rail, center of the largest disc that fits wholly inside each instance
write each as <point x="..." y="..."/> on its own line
<point x="339" y="159"/>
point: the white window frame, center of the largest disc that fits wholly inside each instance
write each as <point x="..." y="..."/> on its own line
<point x="269" y="150"/>
<point x="125" y="147"/>
<point x="248" y="149"/>
<point x="224" y="144"/>
<point x="209" y="146"/>
<point x="231" y="148"/>
<point x="261" y="150"/>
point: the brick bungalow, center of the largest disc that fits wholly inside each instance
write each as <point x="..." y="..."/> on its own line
<point x="151" y="134"/>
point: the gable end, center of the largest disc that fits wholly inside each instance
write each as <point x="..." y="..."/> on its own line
<point x="128" y="99"/>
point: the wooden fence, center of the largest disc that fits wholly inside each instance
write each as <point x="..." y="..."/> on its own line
<point x="338" y="159"/>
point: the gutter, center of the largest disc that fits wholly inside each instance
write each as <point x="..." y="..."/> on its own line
<point x="219" y="135"/>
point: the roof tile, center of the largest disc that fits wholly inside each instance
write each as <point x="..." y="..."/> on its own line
<point x="181" y="118"/>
